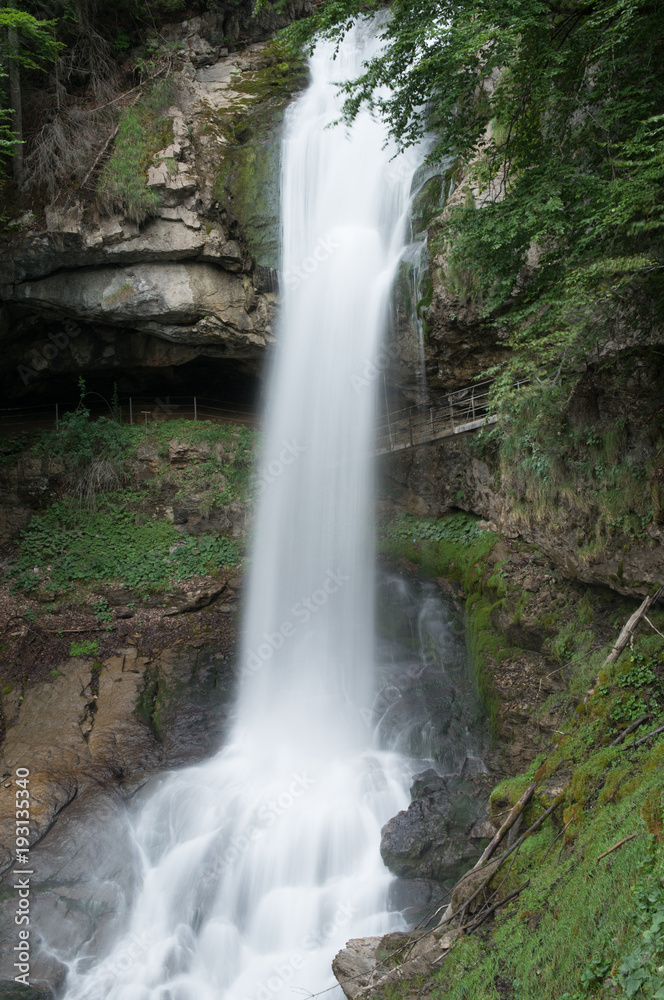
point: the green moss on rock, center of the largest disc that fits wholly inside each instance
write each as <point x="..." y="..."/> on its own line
<point x="431" y="188"/>
<point x="248" y="177"/>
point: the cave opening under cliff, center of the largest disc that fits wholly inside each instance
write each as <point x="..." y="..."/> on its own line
<point x="208" y="387"/>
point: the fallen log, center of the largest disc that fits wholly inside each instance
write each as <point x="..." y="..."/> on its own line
<point x="493" y="865"/>
<point x="630" y="729"/>
<point x="487" y="913"/>
<point x="648" y="736"/>
<point x="626" y="634"/>
<point x="509" y="821"/>
<point x="615" y="847"/>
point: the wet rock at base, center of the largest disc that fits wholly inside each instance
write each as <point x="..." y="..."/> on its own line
<point x="190" y="703"/>
<point x="84" y="872"/>
<point x="429" y="839"/>
<point x="78" y="729"/>
<point x="10" y="990"/>
<point x="417" y="899"/>
<point x="98" y="722"/>
<point x="354" y="965"/>
<point x="367" y="964"/>
<point x="91" y="738"/>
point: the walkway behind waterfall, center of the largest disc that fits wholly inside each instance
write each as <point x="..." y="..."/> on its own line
<point x="461" y="411"/>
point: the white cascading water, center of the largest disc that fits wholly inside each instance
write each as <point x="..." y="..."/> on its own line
<point x="259" y="864"/>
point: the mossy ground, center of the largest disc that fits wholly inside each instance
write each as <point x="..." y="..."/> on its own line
<point x="577" y="929"/>
<point x="128" y="536"/>
<point x="584" y="926"/>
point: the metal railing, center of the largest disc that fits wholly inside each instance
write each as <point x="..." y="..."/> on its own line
<point x="133" y="409"/>
<point x="140" y="409"/>
<point x="457" y="413"/>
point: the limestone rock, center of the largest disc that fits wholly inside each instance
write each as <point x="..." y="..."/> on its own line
<point x="482" y="829"/>
<point x="149" y="453"/>
<point x="48" y="740"/>
<point x="367" y="965"/>
<point x="226" y="253"/>
<point x="190" y="219"/>
<point x="466" y="888"/>
<point x="63" y="271"/>
<point x="165" y="238"/>
<point x="194" y="600"/>
<point x="111" y="230"/>
<point x="181" y="453"/>
<point x="189" y="301"/>
<point x="66" y="219"/>
<point x="355" y="964"/>
<point x="119" y="740"/>
<point x="68" y="737"/>
<point x="217" y="211"/>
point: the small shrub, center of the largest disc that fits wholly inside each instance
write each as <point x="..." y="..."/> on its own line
<point x="86" y="647"/>
<point x="142" y="132"/>
<point x="103" y="613"/>
<point x="93" y="450"/>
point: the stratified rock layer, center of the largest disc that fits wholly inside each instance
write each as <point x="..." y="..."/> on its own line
<point x="83" y="291"/>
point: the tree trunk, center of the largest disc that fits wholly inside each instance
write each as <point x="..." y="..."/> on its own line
<point x="15" y="102"/>
<point x="626" y="634"/>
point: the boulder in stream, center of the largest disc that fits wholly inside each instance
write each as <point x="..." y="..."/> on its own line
<point x="430" y="839"/>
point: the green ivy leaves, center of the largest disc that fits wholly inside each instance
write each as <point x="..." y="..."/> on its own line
<point x="69" y="544"/>
<point x="641" y="973"/>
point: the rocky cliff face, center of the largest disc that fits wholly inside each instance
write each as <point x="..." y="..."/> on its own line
<point x="449" y="475"/>
<point x="84" y="291"/>
<point x="95" y="733"/>
<point x="584" y="485"/>
<point x="441" y="342"/>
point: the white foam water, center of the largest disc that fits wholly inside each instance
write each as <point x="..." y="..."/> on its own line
<point x="257" y="865"/>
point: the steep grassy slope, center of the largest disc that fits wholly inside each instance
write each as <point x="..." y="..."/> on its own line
<point x="583" y="924"/>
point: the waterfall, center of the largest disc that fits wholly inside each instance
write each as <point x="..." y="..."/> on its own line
<point x="258" y="865"/>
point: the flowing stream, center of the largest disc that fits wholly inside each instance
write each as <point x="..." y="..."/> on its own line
<point x="257" y="866"/>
